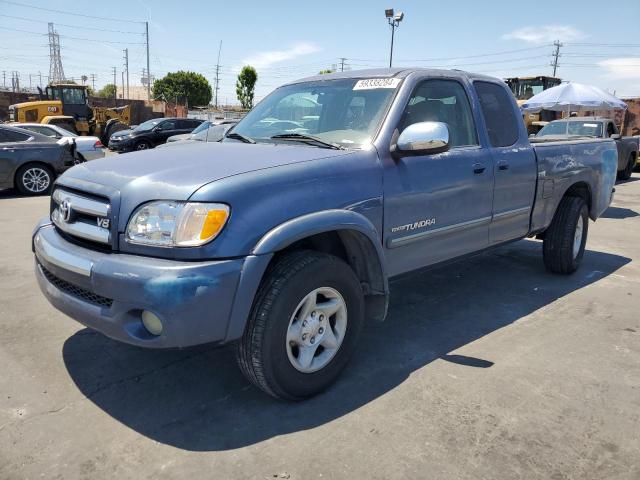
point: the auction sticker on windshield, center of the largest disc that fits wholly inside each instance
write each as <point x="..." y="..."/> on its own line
<point x="371" y="83"/>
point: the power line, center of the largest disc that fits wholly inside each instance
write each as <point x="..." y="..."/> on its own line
<point x="604" y="44"/>
<point x="434" y="59"/>
<point x="68" y="13"/>
<point x="71" y="38"/>
<point x="71" y="26"/>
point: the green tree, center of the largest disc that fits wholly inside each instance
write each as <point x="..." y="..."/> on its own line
<point x="181" y="86"/>
<point x="108" y="91"/>
<point x="323" y="72"/>
<point x="245" y="86"/>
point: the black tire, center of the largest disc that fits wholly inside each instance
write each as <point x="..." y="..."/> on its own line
<point x="628" y="169"/>
<point x="262" y="351"/>
<point x="25" y="179"/>
<point x="142" y="145"/>
<point x="558" y="251"/>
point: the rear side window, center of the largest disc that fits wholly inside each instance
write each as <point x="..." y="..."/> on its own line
<point x="11" y="136"/>
<point x="497" y="109"/>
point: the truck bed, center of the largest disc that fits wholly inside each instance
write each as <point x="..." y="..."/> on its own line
<point x="591" y="162"/>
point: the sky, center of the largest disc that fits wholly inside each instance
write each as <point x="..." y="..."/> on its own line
<point x="286" y="40"/>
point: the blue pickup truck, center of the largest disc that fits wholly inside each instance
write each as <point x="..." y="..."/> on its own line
<point x="282" y="238"/>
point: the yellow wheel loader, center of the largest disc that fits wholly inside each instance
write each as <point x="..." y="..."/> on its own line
<point x="66" y="105"/>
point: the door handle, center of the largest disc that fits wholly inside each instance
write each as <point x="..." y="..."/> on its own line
<point x="503" y="166"/>
<point x="478" y="168"/>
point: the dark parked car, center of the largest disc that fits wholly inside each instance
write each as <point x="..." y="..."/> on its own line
<point x="151" y="133"/>
<point x="30" y="162"/>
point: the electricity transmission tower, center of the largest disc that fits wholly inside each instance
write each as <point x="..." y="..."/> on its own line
<point x="56" y="72"/>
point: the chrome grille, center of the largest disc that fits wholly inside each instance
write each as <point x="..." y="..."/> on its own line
<point x="82" y="217"/>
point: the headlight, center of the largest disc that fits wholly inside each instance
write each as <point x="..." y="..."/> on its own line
<point x="177" y="224"/>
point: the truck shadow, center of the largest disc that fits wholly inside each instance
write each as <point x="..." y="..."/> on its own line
<point x="197" y="400"/>
<point x="619" y="213"/>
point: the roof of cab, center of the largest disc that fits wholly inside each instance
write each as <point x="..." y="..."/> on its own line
<point x="397" y="73"/>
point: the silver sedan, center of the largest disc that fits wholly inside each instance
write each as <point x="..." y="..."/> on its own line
<point x="89" y="148"/>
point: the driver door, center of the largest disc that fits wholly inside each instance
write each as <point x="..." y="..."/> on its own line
<point x="438" y="206"/>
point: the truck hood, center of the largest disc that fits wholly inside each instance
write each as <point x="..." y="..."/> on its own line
<point x="176" y="173"/>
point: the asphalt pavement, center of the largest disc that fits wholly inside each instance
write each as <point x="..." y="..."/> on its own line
<point x="490" y="368"/>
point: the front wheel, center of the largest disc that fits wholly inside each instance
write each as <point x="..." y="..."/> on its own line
<point x="303" y="326"/>
<point x="566" y="237"/>
<point x="142" y="145"/>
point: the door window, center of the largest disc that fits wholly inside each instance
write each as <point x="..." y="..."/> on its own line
<point x="442" y="101"/>
<point x="168" y="125"/>
<point x="497" y="110"/>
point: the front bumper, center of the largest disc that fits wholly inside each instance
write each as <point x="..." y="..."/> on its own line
<point x="108" y="292"/>
<point x="121" y="145"/>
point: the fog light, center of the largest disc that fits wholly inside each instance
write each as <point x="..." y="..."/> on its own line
<point x="151" y="322"/>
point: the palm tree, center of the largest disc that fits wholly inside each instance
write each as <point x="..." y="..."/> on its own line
<point x="84" y="79"/>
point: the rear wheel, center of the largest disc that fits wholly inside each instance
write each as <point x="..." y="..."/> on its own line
<point x="566" y="237"/>
<point x="303" y="326"/>
<point x="34" y="179"/>
<point x="628" y="169"/>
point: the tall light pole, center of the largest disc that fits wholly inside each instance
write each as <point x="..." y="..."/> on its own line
<point x="394" y="20"/>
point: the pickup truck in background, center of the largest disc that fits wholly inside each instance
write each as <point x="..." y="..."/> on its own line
<point x="594" y="127"/>
<point x="282" y="238"/>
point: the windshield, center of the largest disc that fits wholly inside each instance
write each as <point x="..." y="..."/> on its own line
<point x="148" y="125"/>
<point x="201" y="128"/>
<point x="524" y="89"/>
<point x="346" y="112"/>
<point x="575" y="128"/>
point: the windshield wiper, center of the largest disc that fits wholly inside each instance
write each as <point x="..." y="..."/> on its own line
<point x="307" y="138"/>
<point x="239" y="136"/>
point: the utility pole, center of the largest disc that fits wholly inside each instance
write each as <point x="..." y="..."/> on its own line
<point x="556" y="54"/>
<point x="146" y="25"/>
<point x="29" y="81"/>
<point x="342" y="60"/>
<point x="115" y="92"/>
<point x="126" y="67"/>
<point x="40" y="78"/>
<point x="93" y="82"/>
<point x="215" y="102"/>
<point x="122" y="75"/>
<point x="4" y="78"/>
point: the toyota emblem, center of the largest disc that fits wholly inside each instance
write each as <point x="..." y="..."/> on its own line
<point x="65" y="210"/>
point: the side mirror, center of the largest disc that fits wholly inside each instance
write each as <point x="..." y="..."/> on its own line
<point x="423" y="138"/>
<point x="615" y="136"/>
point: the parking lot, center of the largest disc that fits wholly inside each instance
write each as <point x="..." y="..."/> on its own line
<point x="488" y="368"/>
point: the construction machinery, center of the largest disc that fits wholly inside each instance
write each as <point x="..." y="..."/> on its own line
<point x="67" y="106"/>
<point x="523" y="89"/>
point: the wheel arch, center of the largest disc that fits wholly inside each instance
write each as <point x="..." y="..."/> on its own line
<point x="343" y="233"/>
<point x="582" y="190"/>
